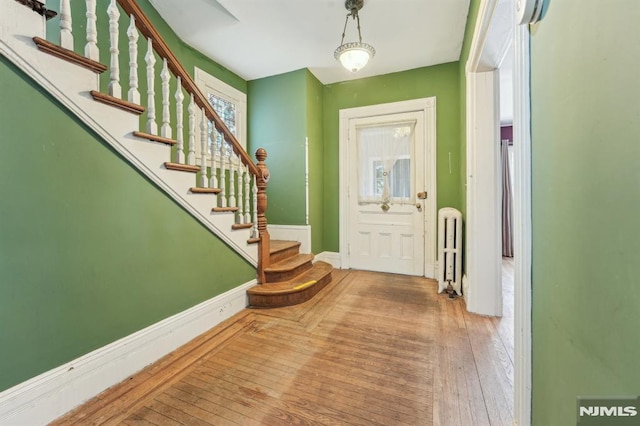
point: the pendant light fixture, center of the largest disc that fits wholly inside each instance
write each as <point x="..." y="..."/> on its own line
<point x="355" y="55"/>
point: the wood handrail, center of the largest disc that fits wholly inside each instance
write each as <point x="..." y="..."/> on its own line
<point x="160" y="46"/>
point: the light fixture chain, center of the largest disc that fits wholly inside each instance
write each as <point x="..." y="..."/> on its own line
<point x="344" y="30"/>
<point x="358" y="19"/>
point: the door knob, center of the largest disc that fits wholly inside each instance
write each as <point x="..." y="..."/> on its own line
<point x="422" y="195"/>
<point x="418" y="206"/>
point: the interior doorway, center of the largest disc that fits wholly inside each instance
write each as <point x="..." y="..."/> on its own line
<point x="494" y="31"/>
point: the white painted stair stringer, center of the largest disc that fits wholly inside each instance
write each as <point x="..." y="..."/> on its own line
<point x="70" y="84"/>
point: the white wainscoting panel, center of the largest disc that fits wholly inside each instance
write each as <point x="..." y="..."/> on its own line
<point x="330" y="257"/>
<point x="301" y="233"/>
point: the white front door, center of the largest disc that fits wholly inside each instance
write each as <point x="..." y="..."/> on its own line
<point x="386" y="212"/>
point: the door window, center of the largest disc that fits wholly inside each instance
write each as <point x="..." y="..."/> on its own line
<point x="384" y="163"/>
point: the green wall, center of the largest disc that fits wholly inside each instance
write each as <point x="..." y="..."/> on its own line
<point x="277" y="122"/>
<point x="315" y="133"/>
<point x="441" y="81"/>
<point x="285" y="110"/>
<point x="90" y="251"/>
<point x="586" y="205"/>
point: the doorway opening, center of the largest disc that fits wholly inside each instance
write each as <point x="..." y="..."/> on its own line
<point x="494" y="31"/>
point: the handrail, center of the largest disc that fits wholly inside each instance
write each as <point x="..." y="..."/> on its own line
<point x="160" y="46"/>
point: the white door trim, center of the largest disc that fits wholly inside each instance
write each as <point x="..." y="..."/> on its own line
<point x="484" y="193"/>
<point x="522" y="223"/>
<point x="522" y="190"/>
<point x="428" y="107"/>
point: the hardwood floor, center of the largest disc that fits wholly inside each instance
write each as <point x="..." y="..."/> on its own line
<point x="369" y="349"/>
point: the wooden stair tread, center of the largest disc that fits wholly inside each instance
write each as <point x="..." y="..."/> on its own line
<point x="181" y="167"/>
<point x="69" y="55"/>
<point x="282" y="249"/>
<point x="320" y="270"/>
<point x="156" y="138"/>
<point x="242" y="226"/>
<point x="224" y="209"/>
<point x="291" y="292"/>
<point x="253" y="240"/>
<point x="289" y="263"/>
<point x="197" y="190"/>
<point x="279" y="245"/>
<point x="117" y="102"/>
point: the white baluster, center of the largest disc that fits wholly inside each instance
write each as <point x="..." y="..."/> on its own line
<point x="255" y="232"/>
<point x="66" y="33"/>
<point x="91" y="50"/>
<point x="203" y="147"/>
<point x="165" y="76"/>
<point x="223" y="175"/>
<point x="132" y="33"/>
<point x="179" y="125"/>
<point x="247" y="193"/>
<point x="232" y="182"/>
<point x="115" y="89"/>
<point x="239" y="185"/>
<point x="214" y="171"/>
<point x="191" y="156"/>
<point x="152" y="126"/>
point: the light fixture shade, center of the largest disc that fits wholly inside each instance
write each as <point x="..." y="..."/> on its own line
<point x="354" y="56"/>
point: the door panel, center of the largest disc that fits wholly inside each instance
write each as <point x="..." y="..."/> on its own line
<point x="386" y="229"/>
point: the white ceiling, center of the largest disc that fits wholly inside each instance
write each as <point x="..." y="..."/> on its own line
<point x="261" y="38"/>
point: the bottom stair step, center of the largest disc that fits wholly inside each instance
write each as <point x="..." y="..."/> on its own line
<point x="291" y="292"/>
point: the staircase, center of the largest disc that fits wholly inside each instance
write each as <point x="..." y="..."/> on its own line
<point x="292" y="278"/>
<point x="225" y="191"/>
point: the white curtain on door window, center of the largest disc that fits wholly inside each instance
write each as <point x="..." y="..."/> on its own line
<point x="384" y="163"/>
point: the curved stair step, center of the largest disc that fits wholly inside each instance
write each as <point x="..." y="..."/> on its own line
<point x="288" y="268"/>
<point x="282" y="249"/>
<point x="291" y="292"/>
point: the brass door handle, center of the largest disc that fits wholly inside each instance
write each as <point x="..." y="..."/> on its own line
<point x="418" y="206"/>
<point x="422" y="195"/>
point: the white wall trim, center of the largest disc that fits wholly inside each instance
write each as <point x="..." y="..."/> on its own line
<point x="301" y="233"/>
<point x="522" y="225"/>
<point x="330" y="257"/>
<point x="210" y="84"/>
<point x="46" y="397"/>
<point x="480" y="35"/>
<point x="428" y="107"/>
<point x="484" y="193"/>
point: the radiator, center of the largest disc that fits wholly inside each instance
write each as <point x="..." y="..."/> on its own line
<point x="449" y="250"/>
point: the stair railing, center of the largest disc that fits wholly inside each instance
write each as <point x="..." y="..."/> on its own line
<point x="230" y="166"/>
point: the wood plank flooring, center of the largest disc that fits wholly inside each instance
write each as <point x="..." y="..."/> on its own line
<point x="369" y="349"/>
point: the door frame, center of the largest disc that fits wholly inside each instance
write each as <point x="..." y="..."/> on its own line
<point x="427" y="106"/>
<point x="480" y="61"/>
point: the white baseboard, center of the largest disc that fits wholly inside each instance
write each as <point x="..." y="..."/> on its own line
<point x="301" y="233"/>
<point x="465" y="287"/>
<point x="330" y="257"/>
<point x="46" y="397"/>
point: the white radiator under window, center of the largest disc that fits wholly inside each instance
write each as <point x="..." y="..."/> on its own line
<point x="449" y="249"/>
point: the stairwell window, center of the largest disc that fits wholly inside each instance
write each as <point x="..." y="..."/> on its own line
<point x="230" y="104"/>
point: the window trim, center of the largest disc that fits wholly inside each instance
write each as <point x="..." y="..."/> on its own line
<point x="210" y="84"/>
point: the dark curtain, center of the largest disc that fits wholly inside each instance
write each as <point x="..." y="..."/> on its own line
<point x="507" y="197"/>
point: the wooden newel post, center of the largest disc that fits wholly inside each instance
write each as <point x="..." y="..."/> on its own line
<point x="263" y="234"/>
